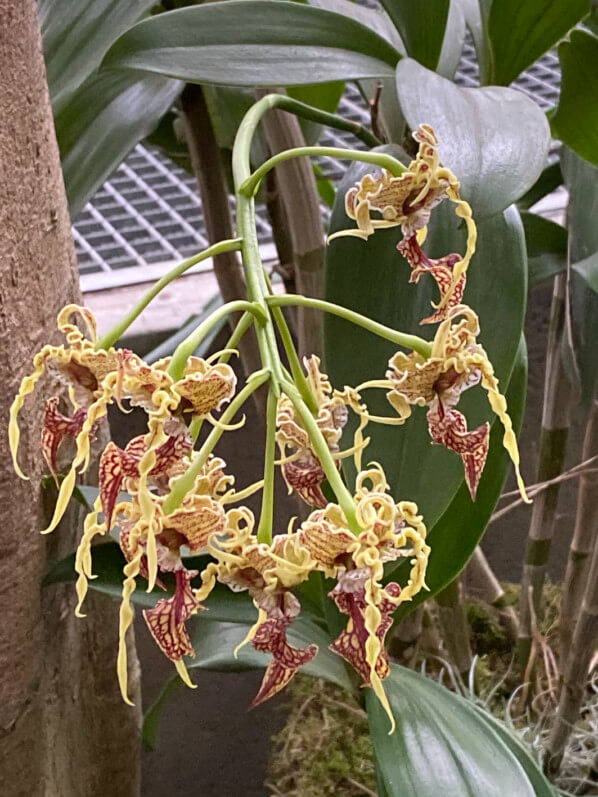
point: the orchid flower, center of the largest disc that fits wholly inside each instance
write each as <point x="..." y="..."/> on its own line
<point x="389" y="531"/>
<point x="457" y="363"/>
<point x="268" y="573"/>
<point x="407" y="201"/>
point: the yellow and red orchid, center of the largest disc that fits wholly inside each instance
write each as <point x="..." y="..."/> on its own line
<point x="457" y="362"/>
<point x="407" y="201"/>
<point x="389" y="531"/>
<point x="301" y="467"/>
<point x="268" y="573"/>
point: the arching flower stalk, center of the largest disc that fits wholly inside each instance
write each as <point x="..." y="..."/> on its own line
<point x="407" y="202"/>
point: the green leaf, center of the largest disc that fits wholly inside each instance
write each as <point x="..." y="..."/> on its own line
<point x="550" y="179"/>
<point x="445" y="745"/>
<point x="375" y="19"/>
<point x="102" y="122"/>
<point x="77" y="35"/>
<point x="588" y="270"/>
<point x="373" y="279"/>
<point x="454" y="537"/>
<point x="575" y="120"/>
<point x="454" y="39"/>
<point x="546" y="243"/>
<point x="520" y="32"/>
<point x="214" y="645"/>
<point x="473" y="21"/>
<point x="581" y="178"/>
<point x="494" y="139"/>
<point x="254" y="43"/>
<point x="421" y="26"/>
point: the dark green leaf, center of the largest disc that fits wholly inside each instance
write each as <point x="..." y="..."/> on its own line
<point x="550" y="179"/>
<point x="494" y="139"/>
<point x="588" y="269"/>
<point x="102" y="122"/>
<point x="77" y="35"/>
<point x="454" y="537"/>
<point x="546" y="243"/>
<point x="581" y="178"/>
<point x="421" y="26"/>
<point x="520" y="32"/>
<point x="214" y="645"/>
<point x="372" y="278"/>
<point x="445" y="745"/>
<point x="454" y="39"/>
<point x="575" y="121"/>
<point x="254" y="43"/>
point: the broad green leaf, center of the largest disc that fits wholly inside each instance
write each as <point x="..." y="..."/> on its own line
<point x="254" y="43"/>
<point x="520" y="32"/>
<point x="77" y="35"/>
<point x="588" y="270"/>
<point x="445" y="745"/>
<point x="546" y="243"/>
<point x="421" y="26"/>
<point x="214" y="645"/>
<point x="454" y="39"/>
<point x="575" y="120"/>
<point x="581" y="178"/>
<point x="372" y="278"/>
<point x="550" y="179"/>
<point x="494" y="139"/>
<point x="454" y="537"/>
<point x="102" y="122"/>
<point x="473" y="21"/>
<point x="375" y="19"/>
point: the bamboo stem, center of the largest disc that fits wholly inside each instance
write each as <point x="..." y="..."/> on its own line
<point x="453" y="625"/>
<point x="209" y="171"/>
<point x="300" y="201"/>
<point x="580" y="654"/>
<point x="583" y="542"/>
<point x="553" y="445"/>
<point x="483" y="584"/>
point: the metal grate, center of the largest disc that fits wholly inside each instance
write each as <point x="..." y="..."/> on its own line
<point x="149" y="215"/>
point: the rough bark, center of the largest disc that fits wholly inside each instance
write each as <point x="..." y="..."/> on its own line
<point x="63" y="727"/>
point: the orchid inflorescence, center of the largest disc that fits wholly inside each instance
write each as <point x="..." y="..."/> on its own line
<point x="180" y="500"/>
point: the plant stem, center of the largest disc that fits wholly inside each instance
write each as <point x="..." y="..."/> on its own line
<point x="553" y="444"/>
<point x="243" y="325"/>
<point x="482" y="583"/>
<point x="264" y="529"/>
<point x="117" y="331"/>
<point x="576" y="672"/>
<point x="183" y="484"/>
<point x="582" y="544"/>
<point x="321" y="450"/>
<point x="412" y="342"/>
<point x="250" y="186"/>
<point x="185" y="349"/>
<point x="453" y="625"/>
<point x="206" y="159"/>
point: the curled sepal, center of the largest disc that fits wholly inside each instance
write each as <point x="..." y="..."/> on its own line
<point x="362" y="642"/>
<point x="205" y="387"/>
<point x="83" y="561"/>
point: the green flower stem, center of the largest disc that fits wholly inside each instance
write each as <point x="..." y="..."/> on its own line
<point x="412" y="342"/>
<point x="183" y="484"/>
<point x="185" y="349"/>
<point x="250" y="186"/>
<point x="264" y="529"/>
<point x="117" y="331"/>
<point x="305" y="111"/>
<point x="321" y="450"/>
<point x="294" y="363"/>
<point x="243" y="325"/>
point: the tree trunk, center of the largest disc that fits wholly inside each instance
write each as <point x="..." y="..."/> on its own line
<point x="63" y="727"/>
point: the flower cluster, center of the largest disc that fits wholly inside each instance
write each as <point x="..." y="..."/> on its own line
<point x="182" y="501"/>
